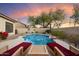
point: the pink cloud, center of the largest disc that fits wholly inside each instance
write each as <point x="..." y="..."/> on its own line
<point x="35" y="11"/>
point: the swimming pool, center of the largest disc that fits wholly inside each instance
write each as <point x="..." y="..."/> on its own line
<point x="38" y="39"/>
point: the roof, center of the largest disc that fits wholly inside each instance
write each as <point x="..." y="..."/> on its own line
<point x="21" y="23"/>
<point x="10" y="19"/>
<point x="7" y="18"/>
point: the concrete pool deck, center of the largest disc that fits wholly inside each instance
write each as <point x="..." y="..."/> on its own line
<point x="38" y="50"/>
<point x="19" y="39"/>
<point x="35" y="50"/>
<point x="62" y="43"/>
<point x="11" y="43"/>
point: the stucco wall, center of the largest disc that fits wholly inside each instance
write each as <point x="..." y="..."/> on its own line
<point x="2" y="25"/>
<point x="66" y="23"/>
<point x="19" y="25"/>
<point x="21" y="29"/>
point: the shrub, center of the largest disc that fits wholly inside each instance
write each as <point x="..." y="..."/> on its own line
<point x="36" y="31"/>
<point x="0" y="34"/>
<point x="47" y="31"/>
<point x="3" y="35"/>
<point x="59" y="34"/>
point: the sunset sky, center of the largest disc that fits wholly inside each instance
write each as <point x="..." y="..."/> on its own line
<point x="22" y="11"/>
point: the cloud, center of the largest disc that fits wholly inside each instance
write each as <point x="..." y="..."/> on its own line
<point x="37" y="9"/>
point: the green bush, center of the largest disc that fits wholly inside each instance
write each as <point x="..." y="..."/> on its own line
<point x="47" y="31"/>
<point x="59" y="34"/>
<point x="56" y="33"/>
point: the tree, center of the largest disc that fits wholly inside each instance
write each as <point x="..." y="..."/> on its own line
<point x="38" y="20"/>
<point x="32" y="20"/>
<point x="50" y="18"/>
<point x="58" y="17"/>
<point x="44" y="19"/>
<point x="55" y="17"/>
<point x="75" y="15"/>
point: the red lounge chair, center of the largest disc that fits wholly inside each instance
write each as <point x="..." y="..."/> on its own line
<point x="65" y="51"/>
<point x="77" y="55"/>
<point x="9" y="52"/>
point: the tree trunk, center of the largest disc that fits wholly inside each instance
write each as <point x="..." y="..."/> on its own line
<point x="43" y="23"/>
<point x="48" y="23"/>
<point x="50" y="27"/>
<point x="75" y="26"/>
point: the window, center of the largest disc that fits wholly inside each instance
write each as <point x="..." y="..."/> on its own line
<point x="9" y="27"/>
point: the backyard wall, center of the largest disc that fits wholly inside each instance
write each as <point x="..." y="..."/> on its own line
<point x="66" y="23"/>
<point x="40" y="30"/>
<point x="70" y="30"/>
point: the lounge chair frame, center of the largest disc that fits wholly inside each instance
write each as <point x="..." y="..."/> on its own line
<point x="26" y="51"/>
<point x="18" y="52"/>
<point x="74" y="49"/>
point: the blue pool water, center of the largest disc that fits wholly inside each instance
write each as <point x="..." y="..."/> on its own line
<point x="38" y="39"/>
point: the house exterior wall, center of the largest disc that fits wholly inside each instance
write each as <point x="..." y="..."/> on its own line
<point x="3" y="27"/>
<point x="19" y="25"/>
<point x="21" y="29"/>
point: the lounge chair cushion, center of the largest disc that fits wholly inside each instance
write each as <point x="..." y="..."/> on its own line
<point x="25" y="45"/>
<point x="9" y="52"/>
<point x="77" y="55"/>
<point x="65" y="51"/>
